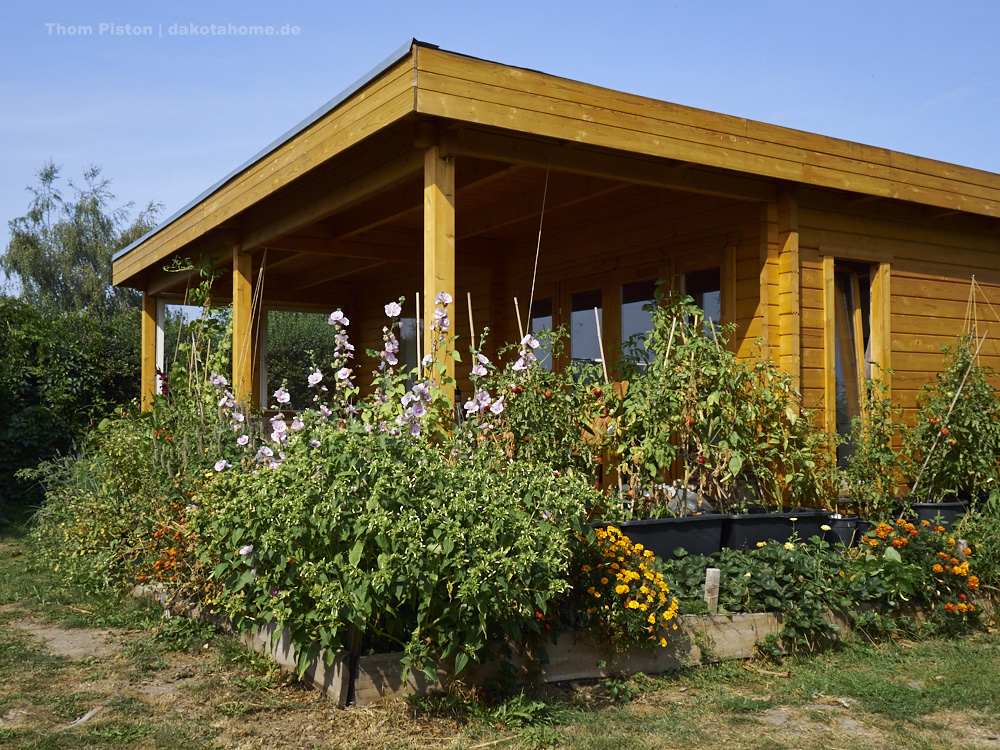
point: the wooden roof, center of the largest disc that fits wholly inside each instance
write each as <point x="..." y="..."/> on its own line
<point x="359" y="160"/>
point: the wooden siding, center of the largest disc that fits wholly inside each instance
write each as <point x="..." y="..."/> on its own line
<point x="931" y="260"/>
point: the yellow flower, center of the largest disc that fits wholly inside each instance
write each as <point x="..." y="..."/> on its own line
<point x="633" y="604"/>
<point x="761" y="544"/>
<point x="621" y="589"/>
<point x="789" y="546"/>
<point x="651" y="619"/>
<point x="663" y="642"/>
<point x="825" y="527"/>
<point x="604" y="581"/>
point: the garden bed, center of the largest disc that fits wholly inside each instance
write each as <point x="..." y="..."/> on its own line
<point x="376" y="678"/>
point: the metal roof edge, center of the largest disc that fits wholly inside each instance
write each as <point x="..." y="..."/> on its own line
<point x="370" y="76"/>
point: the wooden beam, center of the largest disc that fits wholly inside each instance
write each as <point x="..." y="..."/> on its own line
<point x="439" y="237"/>
<point x="344" y="268"/>
<point x="148" y="358"/>
<point x="243" y="349"/>
<point x="881" y="325"/>
<point x="632" y="168"/>
<point x="829" y="344"/>
<point x="339" y="197"/>
<point x="564" y="191"/>
<point x="405" y="199"/>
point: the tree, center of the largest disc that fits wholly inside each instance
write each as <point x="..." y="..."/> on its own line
<point x="61" y="250"/>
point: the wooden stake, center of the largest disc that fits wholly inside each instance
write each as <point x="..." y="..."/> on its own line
<point x="472" y="326"/>
<point x="712" y="588"/>
<point x="670" y="343"/>
<point x="420" y="335"/>
<point x="517" y="311"/>
<point x="600" y="345"/>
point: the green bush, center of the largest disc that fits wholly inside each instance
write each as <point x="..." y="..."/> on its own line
<point x="401" y="542"/>
<point x="955" y="440"/>
<point x="58" y="372"/>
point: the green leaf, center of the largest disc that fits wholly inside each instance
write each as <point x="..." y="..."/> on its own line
<point x="355" y="556"/>
<point x="461" y="660"/>
<point x="893" y="555"/>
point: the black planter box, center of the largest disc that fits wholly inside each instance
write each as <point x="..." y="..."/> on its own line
<point x="949" y="511"/>
<point x="745" y="531"/>
<point x="847" y="530"/>
<point x="698" y="535"/>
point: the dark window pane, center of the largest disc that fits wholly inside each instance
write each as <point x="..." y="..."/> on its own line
<point x="583" y="343"/>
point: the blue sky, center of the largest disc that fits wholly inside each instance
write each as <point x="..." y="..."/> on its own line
<point x="166" y="116"/>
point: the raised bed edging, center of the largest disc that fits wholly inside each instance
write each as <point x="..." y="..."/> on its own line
<point x="574" y="656"/>
<point x="698" y="639"/>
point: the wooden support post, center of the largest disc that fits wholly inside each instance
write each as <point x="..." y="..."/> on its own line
<point x="789" y="312"/>
<point x="439" y="236"/>
<point x="712" y="588"/>
<point x="148" y="358"/>
<point x="243" y="353"/>
<point x="829" y="344"/>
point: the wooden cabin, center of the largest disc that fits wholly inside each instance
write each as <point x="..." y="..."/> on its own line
<point x="443" y="172"/>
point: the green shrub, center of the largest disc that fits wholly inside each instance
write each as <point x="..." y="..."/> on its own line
<point x="402" y="543"/>
<point x="58" y="373"/>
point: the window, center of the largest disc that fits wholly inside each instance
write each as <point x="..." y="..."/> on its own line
<point x="705" y="287"/>
<point x="583" y="342"/>
<point x="852" y="284"/>
<point x="541" y="322"/>
<point x="407" y="336"/>
<point x="638" y="299"/>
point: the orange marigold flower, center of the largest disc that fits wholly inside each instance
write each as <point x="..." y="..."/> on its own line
<point x="962" y="607"/>
<point x="949" y="607"/>
<point x="873" y="542"/>
<point x="925" y="522"/>
<point x="586" y="568"/>
<point x="939" y="529"/>
<point x="938" y="569"/>
<point x="900" y="522"/>
<point x="973" y="582"/>
<point x="962" y="597"/>
<point x="897" y="542"/>
<point x="967" y="551"/>
<point x="604" y="581"/>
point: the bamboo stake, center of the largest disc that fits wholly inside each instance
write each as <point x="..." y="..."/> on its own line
<point x="670" y="343"/>
<point x="419" y="335"/>
<point x="517" y="312"/>
<point x="600" y="345"/>
<point x="958" y="392"/>
<point x="472" y="327"/>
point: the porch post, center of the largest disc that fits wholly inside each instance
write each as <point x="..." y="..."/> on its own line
<point x="243" y="354"/>
<point x="147" y="388"/>
<point x="789" y="303"/>
<point x="439" y="237"/>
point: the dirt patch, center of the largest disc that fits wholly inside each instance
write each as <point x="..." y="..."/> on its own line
<point x="78" y="643"/>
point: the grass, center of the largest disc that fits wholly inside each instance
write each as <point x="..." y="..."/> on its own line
<point x="180" y="684"/>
